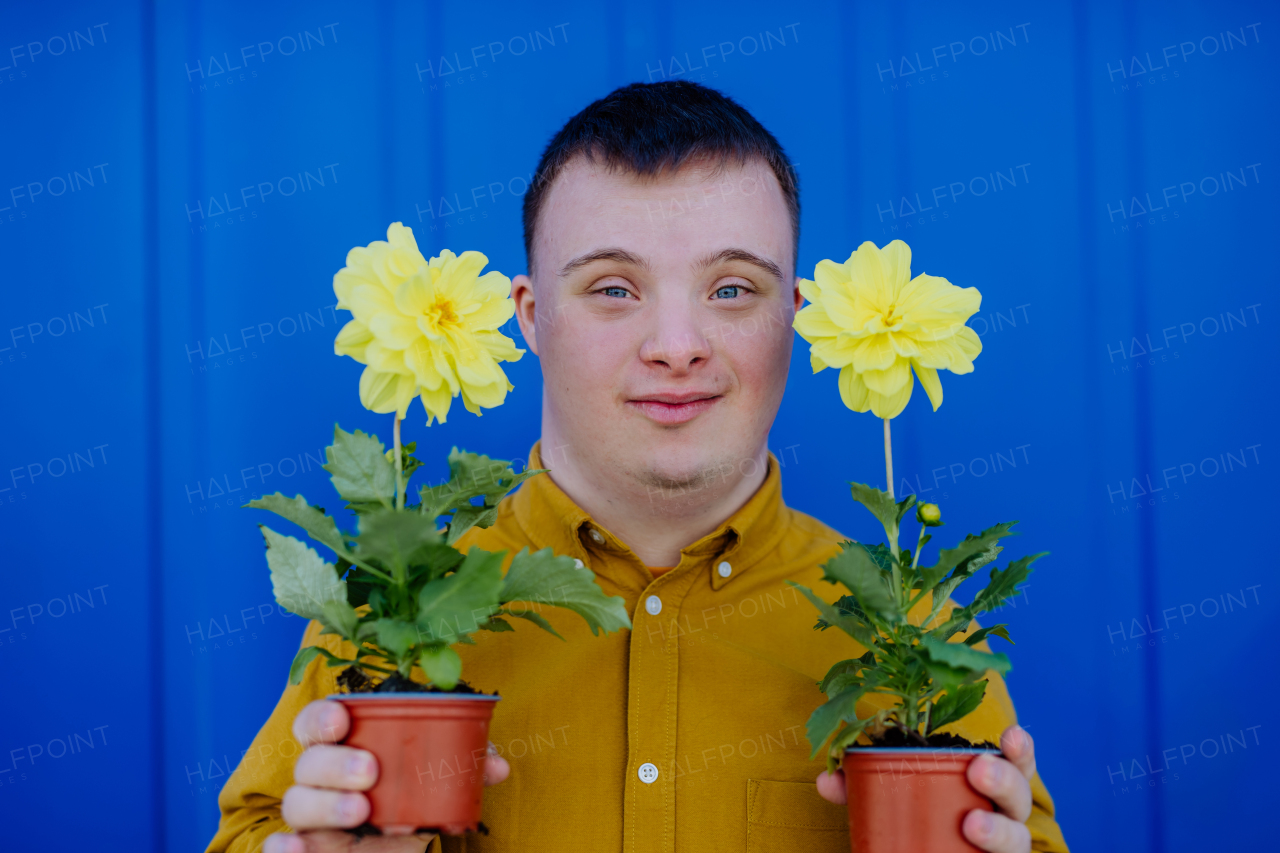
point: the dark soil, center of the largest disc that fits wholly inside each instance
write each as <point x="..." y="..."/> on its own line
<point x="896" y="738"/>
<point x="356" y="681"/>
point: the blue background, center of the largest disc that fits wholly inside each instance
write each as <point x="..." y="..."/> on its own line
<point x="1123" y="258"/>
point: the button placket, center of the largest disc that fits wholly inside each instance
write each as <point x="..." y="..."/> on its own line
<point x="653" y="709"/>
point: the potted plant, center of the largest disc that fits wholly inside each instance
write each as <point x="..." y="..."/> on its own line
<point x="869" y="318"/>
<point x="400" y="591"/>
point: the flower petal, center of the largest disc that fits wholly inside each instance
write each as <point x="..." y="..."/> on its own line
<point x="437" y="403"/>
<point x="891" y="405"/>
<point x="394" y="330"/>
<point x="853" y="391"/>
<point x="386" y="392"/>
<point x="874" y="353"/>
<point x="352" y="340"/>
<point x="931" y="383"/>
<point x="891" y="380"/>
<point x="813" y="322"/>
<point x="895" y="258"/>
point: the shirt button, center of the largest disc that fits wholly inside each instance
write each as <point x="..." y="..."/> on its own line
<point x="724" y="569"/>
<point x="648" y="773"/>
<point x="596" y="536"/>
<point x="653" y="605"/>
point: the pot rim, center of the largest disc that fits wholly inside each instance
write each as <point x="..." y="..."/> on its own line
<point x="423" y="696"/>
<point x="928" y="750"/>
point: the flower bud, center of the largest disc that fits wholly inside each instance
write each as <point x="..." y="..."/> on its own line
<point x="929" y="515"/>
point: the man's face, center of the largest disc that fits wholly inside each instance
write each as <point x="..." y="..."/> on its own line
<point x="661" y="311"/>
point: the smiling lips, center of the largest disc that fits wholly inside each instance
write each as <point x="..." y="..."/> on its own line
<point x="672" y="409"/>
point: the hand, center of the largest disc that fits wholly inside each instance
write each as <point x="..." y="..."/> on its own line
<point x="1007" y="781"/>
<point x="327" y="797"/>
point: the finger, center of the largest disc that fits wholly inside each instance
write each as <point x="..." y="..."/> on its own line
<point x="1018" y="747"/>
<point x="831" y="787"/>
<point x="319" y="808"/>
<point x="342" y="767"/>
<point x="322" y="721"/>
<point x="328" y="841"/>
<point x="996" y="833"/>
<point x="496" y="768"/>
<point x="1003" y="783"/>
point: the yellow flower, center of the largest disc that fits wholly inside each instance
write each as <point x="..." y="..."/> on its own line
<point x="424" y="328"/>
<point x="875" y="323"/>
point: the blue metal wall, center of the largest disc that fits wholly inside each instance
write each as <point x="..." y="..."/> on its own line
<point x="181" y="180"/>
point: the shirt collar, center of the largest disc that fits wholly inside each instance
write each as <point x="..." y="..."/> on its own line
<point x="551" y="519"/>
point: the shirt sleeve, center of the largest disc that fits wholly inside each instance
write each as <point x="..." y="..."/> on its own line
<point x="250" y="801"/>
<point x="988" y="722"/>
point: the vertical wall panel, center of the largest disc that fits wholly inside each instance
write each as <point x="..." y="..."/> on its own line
<point x="183" y="179"/>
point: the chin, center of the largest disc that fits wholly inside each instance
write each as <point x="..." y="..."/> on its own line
<point x="693" y="459"/>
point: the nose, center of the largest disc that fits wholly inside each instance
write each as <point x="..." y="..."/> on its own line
<point x="676" y="344"/>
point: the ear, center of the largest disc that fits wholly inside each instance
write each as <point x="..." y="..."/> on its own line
<point x="795" y="293"/>
<point x="522" y="295"/>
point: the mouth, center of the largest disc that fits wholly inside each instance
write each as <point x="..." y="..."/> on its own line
<point x="673" y="409"/>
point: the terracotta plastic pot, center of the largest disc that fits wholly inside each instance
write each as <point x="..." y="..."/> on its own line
<point x="910" y="800"/>
<point x="431" y="749"/>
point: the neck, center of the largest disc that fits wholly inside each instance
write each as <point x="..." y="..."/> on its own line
<point x="655" y="522"/>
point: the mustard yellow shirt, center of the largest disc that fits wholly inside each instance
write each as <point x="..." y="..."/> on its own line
<point x="712" y="687"/>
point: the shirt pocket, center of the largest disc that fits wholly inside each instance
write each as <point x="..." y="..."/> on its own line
<point x="788" y="816"/>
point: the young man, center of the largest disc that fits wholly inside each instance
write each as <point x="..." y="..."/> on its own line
<point x="661" y="230"/>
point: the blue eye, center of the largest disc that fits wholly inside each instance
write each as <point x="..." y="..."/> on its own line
<point x="727" y="292"/>
<point x="617" y="292"/>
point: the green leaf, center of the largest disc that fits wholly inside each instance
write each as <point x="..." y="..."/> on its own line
<point x="881" y="556"/>
<point x="1004" y="584"/>
<point x="855" y="568"/>
<point x="408" y="462"/>
<point x="827" y="717"/>
<point x="396" y="636"/>
<point x="359" y="468"/>
<point x="850" y="624"/>
<point x="978" y="546"/>
<point x="471" y="475"/>
<point x="301" y="581"/>
<point x="467" y="517"/>
<point x="535" y="618"/>
<point x="396" y="538"/>
<point x="883" y="507"/>
<point x="956" y="703"/>
<point x="342" y="617"/>
<point x="442" y="665"/>
<point x="305" y="656"/>
<point x="497" y="624"/>
<point x="845" y="738"/>
<point x="962" y="657"/>
<point x="544" y="578"/>
<point x="319" y="526"/>
<point x="456" y="605"/>
<point x="982" y="633"/>
<point x="851" y="667"/>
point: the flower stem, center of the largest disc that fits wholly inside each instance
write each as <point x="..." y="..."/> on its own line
<point x="400" y="465"/>
<point x="888" y="458"/>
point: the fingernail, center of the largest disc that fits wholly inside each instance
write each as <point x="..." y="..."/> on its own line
<point x="358" y="765"/>
<point x="493" y="749"/>
<point x="348" y="808"/>
<point x="986" y="824"/>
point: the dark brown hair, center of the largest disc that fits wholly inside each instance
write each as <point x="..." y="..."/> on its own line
<point x="647" y="128"/>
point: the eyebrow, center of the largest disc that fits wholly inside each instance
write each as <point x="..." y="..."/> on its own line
<point x="622" y="256"/>
<point x="746" y="257"/>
